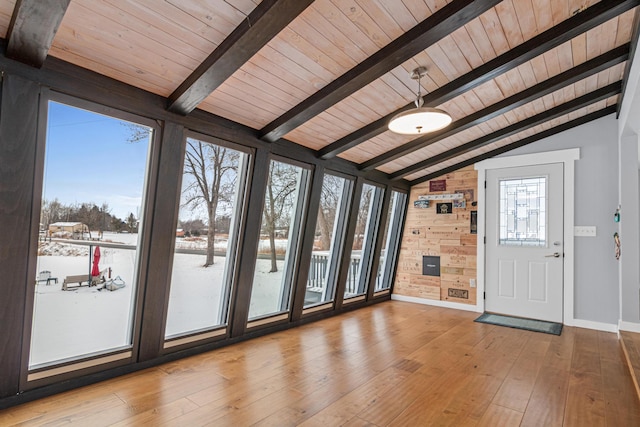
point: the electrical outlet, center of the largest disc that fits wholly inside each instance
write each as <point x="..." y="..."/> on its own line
<point x="584" y="231"/>
<point x="472" y="283"/>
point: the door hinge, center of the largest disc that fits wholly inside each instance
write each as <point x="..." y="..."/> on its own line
<point x="485" y="239"/>
<point x="485" y="184"/>
<point x="484" y="295"/>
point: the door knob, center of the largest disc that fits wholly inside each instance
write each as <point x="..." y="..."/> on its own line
<point x="554" y="255"/>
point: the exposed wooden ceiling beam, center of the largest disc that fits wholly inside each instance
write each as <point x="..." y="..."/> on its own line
<point x="33" y="26"/>
<point x="581" y="22"/>
<point x="513" y="129"/>
<point x="575" y="74"/>
<point x="263" y="23"/>
<point x="442" y="23"/>
<point x="533" y="138"/>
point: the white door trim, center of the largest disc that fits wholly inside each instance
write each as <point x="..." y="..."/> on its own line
<point x="568" y="157"/>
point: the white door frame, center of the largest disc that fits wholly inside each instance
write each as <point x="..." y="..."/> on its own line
<point x="568" y="157"/>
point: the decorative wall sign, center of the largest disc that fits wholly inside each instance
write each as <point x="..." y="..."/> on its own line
<point x="431" y="266"/>
<point x="458" y="293"/>
<point x="461" y="204"/>
<point x="444" y="208"/>
<point x="421" y="204"/>
<point x="452" y="270"/>
<point x="440" y="185"/>
<point x="474" y="222"/>
<point x="452" y="196"/>
<point x="467" y="194"/>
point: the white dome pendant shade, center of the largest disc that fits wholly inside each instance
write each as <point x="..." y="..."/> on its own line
<point x="421" y="119"/>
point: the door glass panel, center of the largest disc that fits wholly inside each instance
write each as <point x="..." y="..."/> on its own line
<point x="329" y="235"/>
<point x="213" y="184"/>
<point x="359" y="262"/>
<point x="88" y="250"/>
<point x="279" y="238"/>
<point x="391" y="239"/>
<point x="522" y="212"/>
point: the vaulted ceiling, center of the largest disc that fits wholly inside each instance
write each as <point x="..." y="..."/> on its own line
<point x="329" y="74"/>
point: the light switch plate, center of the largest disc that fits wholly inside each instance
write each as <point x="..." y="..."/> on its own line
<point x="584" y="231"/>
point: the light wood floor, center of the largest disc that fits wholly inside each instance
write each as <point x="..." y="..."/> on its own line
<point x="391" y="364"/>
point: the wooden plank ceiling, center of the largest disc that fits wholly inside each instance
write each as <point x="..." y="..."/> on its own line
<point x="328" y="74"/>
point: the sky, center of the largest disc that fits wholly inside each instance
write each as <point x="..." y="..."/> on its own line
<point x="89" y="160"/>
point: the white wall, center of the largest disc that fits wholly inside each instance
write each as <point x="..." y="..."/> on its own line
<point x="596" y="272"/>
<point x="629" y="231"/>
<point x="629" y="196"/>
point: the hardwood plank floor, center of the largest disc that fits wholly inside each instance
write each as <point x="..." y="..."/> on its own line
<point x="394" y="363"/>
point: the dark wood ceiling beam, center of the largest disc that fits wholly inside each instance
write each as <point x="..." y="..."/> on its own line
<point x="544" y="88"/>
<point x="33" y="26"/>
<point x="428" y="32"/>
<point x="263" y="23"/>
<point x="573" y="75"/>
<point x="589" y="18"/>
<point x="533" y="138"/>
<point x="545" y="116"/>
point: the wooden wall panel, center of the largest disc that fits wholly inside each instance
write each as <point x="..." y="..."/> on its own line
<point x="427" y="233"/>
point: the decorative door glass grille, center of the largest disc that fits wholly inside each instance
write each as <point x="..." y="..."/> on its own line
<point x="522" y="218"/>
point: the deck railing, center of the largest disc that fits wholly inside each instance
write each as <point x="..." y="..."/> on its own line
<point x="318" y="273"/>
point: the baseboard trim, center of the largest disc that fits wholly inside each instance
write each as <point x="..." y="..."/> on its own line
<point x="628" y="326"/>
<point x="579" y="323"/>
<point x="445" y="304"/>
<point x="590" y="324"/>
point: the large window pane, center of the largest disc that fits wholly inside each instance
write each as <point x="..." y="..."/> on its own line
<point x="213" y="184"/>
<point x="329" y="235"/>
<point x="94" y="179"/>
<point x="279" y="238"/>
<point x="391" y="239"/>
<point x="360" y="259"/>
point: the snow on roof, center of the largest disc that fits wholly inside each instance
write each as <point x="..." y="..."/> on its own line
<point x="65" y="224"/>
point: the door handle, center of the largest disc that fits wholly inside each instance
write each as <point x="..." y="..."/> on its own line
<point x="554" y="255"/>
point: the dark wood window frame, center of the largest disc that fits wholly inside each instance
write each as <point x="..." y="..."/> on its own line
<point x="337" y="241"/>
<point x="395" y="234"/>
<point x="56" y="372"/>
<point x="218" y="332"/>
<point x="24" y="123"/>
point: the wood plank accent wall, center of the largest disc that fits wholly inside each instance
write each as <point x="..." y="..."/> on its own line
<point x="448" y="236"/>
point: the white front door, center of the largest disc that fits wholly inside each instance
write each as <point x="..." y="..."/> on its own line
<point x="524" y="247"/>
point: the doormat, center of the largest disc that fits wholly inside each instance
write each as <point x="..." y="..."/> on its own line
<point x="520" y="323"/>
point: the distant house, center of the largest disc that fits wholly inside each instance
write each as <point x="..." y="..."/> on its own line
<point x="68" y="229"/>
<point x="179" y="232"/>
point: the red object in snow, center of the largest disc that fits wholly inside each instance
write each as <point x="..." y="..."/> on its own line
<point x="95" y="270"/>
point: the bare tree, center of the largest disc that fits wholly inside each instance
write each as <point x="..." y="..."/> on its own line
<point x="137" y="132"/>
<point x="363" y="215"/>
<point x="51" y="212"/>
<point x="282" y="184"/>
<point x="213" y="171"/>
<point x="132" y="223"/>
<point x="329" y="200"/>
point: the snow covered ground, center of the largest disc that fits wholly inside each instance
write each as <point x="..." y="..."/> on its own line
<point x="86" y="320"/>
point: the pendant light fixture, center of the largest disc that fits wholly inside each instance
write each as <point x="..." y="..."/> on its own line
<point x="421" y="119"/>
